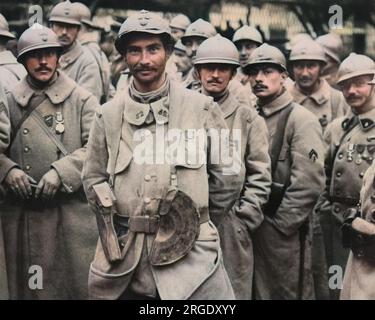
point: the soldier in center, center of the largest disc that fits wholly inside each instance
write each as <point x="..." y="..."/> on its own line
<point x="216" y="62"/>
<point x="282" y="244"/>
<point x="157" y="242"/>
<point x="351" y="149"/>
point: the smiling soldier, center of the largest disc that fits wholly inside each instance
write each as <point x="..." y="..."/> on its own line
<point x="46" y="221"/>
<point x="157" y="240"/>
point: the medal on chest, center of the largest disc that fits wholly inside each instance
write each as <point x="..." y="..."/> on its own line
<point x="59" y="120"/>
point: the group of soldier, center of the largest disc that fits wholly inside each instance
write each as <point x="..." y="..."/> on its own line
<point x="80" y="161"/>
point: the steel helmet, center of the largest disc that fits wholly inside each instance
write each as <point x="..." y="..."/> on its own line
<point x="144" y="22"/>
<point x="36" y="37"/>
<point x="65" y="12"/>
<point x="180" y="22"/>
<point x="355" y="65"/>
<point x="199" y="28"/>
<point x="266" y="54"/>
<point x="217" y="49"/>
<point x="4" y="28"/>
<point x="332" y="45"/>
<point x="248" y="33"/>
<point x="307" y="50"/>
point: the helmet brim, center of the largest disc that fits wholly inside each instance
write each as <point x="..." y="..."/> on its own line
<point x="22" y="54"/>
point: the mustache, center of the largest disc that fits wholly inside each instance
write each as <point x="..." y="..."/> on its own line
<point x="215" y="80"/>
<point x="353" y="96"/>
<point x="43" y="68"/>
<point x="259" y="86"/>
<point x="140" y="69"/>
<point x="64" y="38"/>
<point x="305" y="79"/>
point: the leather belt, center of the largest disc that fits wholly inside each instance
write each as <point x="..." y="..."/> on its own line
<point x="345" y="200"/>
<point x="150" y="224"/>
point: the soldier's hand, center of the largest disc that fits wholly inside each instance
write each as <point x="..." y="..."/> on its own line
<point x="48" y="185"/>
<point x="19" y="182"/>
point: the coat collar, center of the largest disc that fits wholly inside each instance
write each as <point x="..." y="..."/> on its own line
<point x="71" y="55"/>
<point x="366" y="120"/>
<point x="228" y="105"/>
<point x="320" y="96"/>
<point x="57" y="92"/>
<point x="7" y="57"/>
<point x="136" y="113"/>
<point x="277" y="104"/>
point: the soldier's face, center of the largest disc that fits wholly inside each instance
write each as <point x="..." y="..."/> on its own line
<point x="66" y="33"/>
<point x="357" y="91"/>
<point x="146" y="58"/>
<point x="306" y="73"/>
<point x="245" y="48"/>
<point x="41" y="64"/>
<point x="192" y="43"/>
<point x="215" y="77"/>
<point x="177" y="34"/>
<point x="266" y="80"/>
<point x="182" y="61"/>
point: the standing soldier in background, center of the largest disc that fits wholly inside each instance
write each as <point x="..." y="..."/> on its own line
<point x="75" y="62"/>
<point x="45" y="217"/>
<point x="195" y="34"/>
<point x="178" y="26"/>
<point x="333" y="47"/>
<point x="246" y="39"/>
<point x="10" y="70"/>
<point x="351" y="150"/>
<point x="182" y="61"/>
<point x="216" y="62"/>
<point x="159" y="242"/>
<point x="282" y="244"/>
<point x="89" y="36"/>
<point x="307" y="60"/>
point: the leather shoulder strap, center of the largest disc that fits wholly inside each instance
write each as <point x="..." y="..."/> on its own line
<point x="279" y="136"/>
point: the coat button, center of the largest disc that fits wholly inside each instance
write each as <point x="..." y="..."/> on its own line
<point x="336" y="209"/>
<point x="147" y="200"/>
<point x="340" y="156"/>
<point x="361" y="175"/>
<point x="25" y="131"/>
<point x="27" y="168"/>
<point x="173" y="177"/>
<point x="338" y="174"/>
<point x="147" y="177"/>
<point x="26" y="149"/>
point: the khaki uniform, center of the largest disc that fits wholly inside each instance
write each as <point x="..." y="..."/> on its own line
<point x="285" y="238"/>
<point x="245" y="81"/>
<point x="59" y="236"/>
<point x="359" y="279"/>
<point x="104" y="66"/>
<point x="345" y="170"/>
<point x="236" y="227"/>
<point x="10" y="70"/>
<point x="81" y="66"/>
<point x="326" y="103"/>
<point x="144" y="184"/>
<point x="4" y="140"/>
